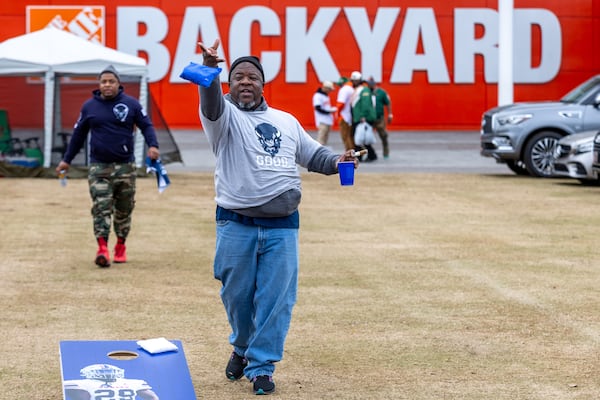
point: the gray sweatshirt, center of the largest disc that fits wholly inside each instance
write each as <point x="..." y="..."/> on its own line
<point x="257" y="153"/>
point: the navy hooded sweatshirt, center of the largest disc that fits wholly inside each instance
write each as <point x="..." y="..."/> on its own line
<point x="112" y="123"/>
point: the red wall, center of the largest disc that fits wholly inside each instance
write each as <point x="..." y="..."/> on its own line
<point x="418" y="104"/>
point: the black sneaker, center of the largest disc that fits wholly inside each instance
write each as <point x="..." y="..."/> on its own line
<point x="235" y="366"/>
<point x="263" y="384"/>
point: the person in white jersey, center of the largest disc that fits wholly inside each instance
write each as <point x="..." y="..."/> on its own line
<point x="344" y="106"/>
<point x="323" y="111"/>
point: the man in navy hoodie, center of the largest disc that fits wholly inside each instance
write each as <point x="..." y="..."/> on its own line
<point x="111" y="116"/>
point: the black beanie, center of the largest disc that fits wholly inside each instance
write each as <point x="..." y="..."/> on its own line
<point x="110" y="69"/>
<point x="252" y="60"/>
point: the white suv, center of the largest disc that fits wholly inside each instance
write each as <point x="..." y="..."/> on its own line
<point x="574" y="158"/>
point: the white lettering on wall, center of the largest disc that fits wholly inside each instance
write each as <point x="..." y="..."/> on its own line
<point x="371" y="42"/>
<point x="466" y="21"/>
<point x="305" y="43"/>
<point x="551" y="51"/>
<point x="198" y="22"/>
<point x="467" y="46"/>
<point x="308" y="44"/>
<point x="240" y="35"/>
<point x="420" y="24"/>
<point x="157" y="26"/>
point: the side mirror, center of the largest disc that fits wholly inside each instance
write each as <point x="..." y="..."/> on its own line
<point x="597" y="101"/>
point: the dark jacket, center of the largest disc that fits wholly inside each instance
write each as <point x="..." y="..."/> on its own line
<point x="363" y="106"/>
<point x="112" y="123"/>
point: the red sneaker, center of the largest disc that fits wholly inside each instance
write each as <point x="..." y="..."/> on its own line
<point x="119" y="255"/>
<point x="102" y="256"/>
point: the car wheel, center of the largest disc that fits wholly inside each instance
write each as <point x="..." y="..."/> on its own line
<point x="517" y="167"/>
<point x="539" y="153"/>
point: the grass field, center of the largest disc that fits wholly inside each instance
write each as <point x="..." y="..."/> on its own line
<point x="412" y="286"/>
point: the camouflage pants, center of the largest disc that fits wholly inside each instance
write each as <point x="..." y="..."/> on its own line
<point x="112" y="188"/>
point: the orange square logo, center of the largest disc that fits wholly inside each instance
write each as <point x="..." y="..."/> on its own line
<point x="87" y="22"/>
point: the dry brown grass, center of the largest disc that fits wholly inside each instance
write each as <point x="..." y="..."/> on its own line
<point x="413" y="286"/>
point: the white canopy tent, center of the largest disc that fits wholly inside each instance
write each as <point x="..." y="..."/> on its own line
<point x="52" y="52"/>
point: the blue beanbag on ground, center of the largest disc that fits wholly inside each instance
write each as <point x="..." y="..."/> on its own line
<point x="200" y="74"/>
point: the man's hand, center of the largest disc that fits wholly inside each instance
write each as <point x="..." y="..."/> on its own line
<point x="209" y="54"/>
<point x="62" y="167"/>
<point x="349" y="155"/>
<point x="153" y="153"/>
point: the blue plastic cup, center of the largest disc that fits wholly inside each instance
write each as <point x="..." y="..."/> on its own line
<point x="346" y="172"/>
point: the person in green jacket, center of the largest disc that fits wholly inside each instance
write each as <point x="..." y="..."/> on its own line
<point x="363" y="110"/>
<point x="382" y="101"/>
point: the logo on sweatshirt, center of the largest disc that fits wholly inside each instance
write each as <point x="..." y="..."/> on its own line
<point x="121" y="110"/>
<point x="269" y="137"/>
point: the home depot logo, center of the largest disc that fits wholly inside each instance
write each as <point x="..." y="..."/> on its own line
<point x="84" y="21"/>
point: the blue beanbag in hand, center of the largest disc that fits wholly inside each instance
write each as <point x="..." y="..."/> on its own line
<point x="162" y="178"/>
<point x="200" y="74"/>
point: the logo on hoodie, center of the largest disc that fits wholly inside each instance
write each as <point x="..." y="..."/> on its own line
<point x="121" y="110"/>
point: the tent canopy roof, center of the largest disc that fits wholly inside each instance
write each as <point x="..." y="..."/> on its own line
<point x="52" y="51"/>
<point x="63" y="53"/>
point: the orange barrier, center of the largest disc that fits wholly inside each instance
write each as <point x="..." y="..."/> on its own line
<point x="438" y="62"/>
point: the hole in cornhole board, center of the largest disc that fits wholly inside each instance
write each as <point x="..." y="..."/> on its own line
<point x="123" y="355"/>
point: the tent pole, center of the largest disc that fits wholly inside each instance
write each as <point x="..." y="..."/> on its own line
<point x="139" y="139"/>
<point x="57" y="122"/>
<point x="48" y="115"/>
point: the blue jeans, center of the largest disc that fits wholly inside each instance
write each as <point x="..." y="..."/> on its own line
<point x="258" y="269"/>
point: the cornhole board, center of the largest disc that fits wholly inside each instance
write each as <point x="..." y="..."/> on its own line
<point x="167" y="374"/>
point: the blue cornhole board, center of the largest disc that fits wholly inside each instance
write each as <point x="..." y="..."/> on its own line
<point x="167" y="374"/>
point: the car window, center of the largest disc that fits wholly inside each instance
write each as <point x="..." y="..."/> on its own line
<point x="584" y="91"/>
